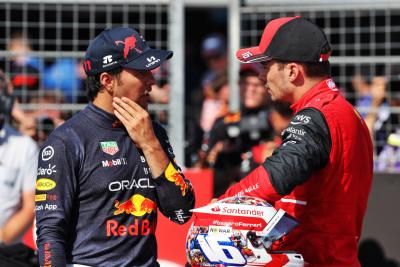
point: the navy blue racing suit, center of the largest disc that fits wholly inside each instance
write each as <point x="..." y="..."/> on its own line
<point x="96" y="200"/>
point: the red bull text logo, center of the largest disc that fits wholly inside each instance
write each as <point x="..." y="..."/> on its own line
<point x="174" y="176"/>
<point x="138" y="227"/>
<point x="129" y="44"/>
<point x="138" y="206"/>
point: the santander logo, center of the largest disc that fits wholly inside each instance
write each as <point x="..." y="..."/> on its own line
<point x="216" y="209"/>
<point x="237" y="211"/>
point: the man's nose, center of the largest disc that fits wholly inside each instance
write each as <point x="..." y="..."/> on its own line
<point x="150" y="80"/>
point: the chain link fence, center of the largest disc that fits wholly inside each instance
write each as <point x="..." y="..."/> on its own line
<point x="42" y="44"/>
<point x="365" y="38"/>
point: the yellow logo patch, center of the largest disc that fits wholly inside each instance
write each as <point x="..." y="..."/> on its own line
<point x="45" y="184"/>
<point x="41" y="197"/>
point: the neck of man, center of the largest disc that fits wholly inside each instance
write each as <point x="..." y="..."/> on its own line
<point x="104" y="101"/>
<point x="307" y="84"/>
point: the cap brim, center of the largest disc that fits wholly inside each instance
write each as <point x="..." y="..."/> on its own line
<point x="149" y="60"/>
<point x="251" y="55"/>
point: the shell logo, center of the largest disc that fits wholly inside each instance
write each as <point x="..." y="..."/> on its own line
<point x="45" y="184"/>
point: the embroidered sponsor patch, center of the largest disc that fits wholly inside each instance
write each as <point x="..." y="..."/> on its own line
<point x="45" y="184"/>
<point x="109" y="147"/>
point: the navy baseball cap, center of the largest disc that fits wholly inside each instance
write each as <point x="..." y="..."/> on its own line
<point x="289" y="39"/>
<point x="122" y="47"/>
<point x="213" y="45"/>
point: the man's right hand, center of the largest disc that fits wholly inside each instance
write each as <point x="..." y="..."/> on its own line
<point x="136" y="120"/>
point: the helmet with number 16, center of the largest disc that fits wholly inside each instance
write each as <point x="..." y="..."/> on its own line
<point x="239" y="231"/>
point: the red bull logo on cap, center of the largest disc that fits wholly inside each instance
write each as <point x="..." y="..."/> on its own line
<point x="129" y="44"/>
<point x="137" y="205"/>
<point x="174" y="176"/>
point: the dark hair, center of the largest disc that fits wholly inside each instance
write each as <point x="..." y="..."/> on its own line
<point x="93" y="85"/>
<point x="248" y="73"/>
<point x="219" y="81"/>
<point x="312" y="69"/>
<point x="317" y="69"/>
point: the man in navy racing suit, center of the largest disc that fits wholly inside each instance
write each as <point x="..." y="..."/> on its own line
<point x="104" y="173"/>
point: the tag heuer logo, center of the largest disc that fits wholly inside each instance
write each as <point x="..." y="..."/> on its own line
<point x="109" y="147"/>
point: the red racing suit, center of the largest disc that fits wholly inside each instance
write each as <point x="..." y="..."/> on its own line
<point x="321" y="174"/>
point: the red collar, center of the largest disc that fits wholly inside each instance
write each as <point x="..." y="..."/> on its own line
<point x="321" y="89"/>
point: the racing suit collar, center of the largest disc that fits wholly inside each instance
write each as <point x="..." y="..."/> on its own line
<point x="322" y="88"/>
<point x="103" y="118"/>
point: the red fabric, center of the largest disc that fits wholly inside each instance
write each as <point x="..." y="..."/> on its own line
<point x="331" y="204"/>
<point x="28" y="239"/>
<point x="246" y="54"/>
<point x="324" y="57"/>
<point x="258" y="152"/>
<point x="25" y="80"/>
<point x="335" y="198"/>
<point x="270" y="31"/>
<point x="256" y="184"/>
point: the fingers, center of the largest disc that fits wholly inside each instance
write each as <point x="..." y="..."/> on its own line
<point x="135" y="106"/>
<point x="123" y="107"/>
<point x="121" y="117"/>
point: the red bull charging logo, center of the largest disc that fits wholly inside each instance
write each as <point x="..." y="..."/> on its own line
<point x="129" y="44"/>
<point x="174" y="176"/>
<point x="137" y="205"/>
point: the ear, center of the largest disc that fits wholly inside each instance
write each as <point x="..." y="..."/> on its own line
<point x="293" y="71"/>
<point x="107" y="81"/>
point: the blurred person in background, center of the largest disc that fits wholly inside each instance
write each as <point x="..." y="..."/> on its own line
<point x="65" y="76"/>
<point x="280" y="115"/>
<point x="25" y="69"/>
<point x="216" y="103"/>
<point x="160" y="93"/>
<point x="193" y="132"/>
<point x="373" y="107"/>
<point x="41" y="121"/>
<point x="388" y="159"/>
<point x="228" y="146"/>
<point x="322" y="172"/>
<point x="114" y="166"/>
<point x="213" y="51"/>
<point x="18" y="166"/>
<point x="388" y="137"/>
<point x="53" y="112"/>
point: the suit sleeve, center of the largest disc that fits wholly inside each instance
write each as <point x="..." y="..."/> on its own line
<point x="305" y="148"/>
<point x="175" y="194"/>
<point x="56" y="186"/>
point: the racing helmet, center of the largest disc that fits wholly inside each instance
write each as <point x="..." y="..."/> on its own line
<point x="239" y="231"/>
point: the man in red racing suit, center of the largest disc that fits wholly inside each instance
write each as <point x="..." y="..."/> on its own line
<point x="322" y="172"/>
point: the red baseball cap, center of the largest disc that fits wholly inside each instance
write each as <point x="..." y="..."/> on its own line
<point x="289" y="39"/>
